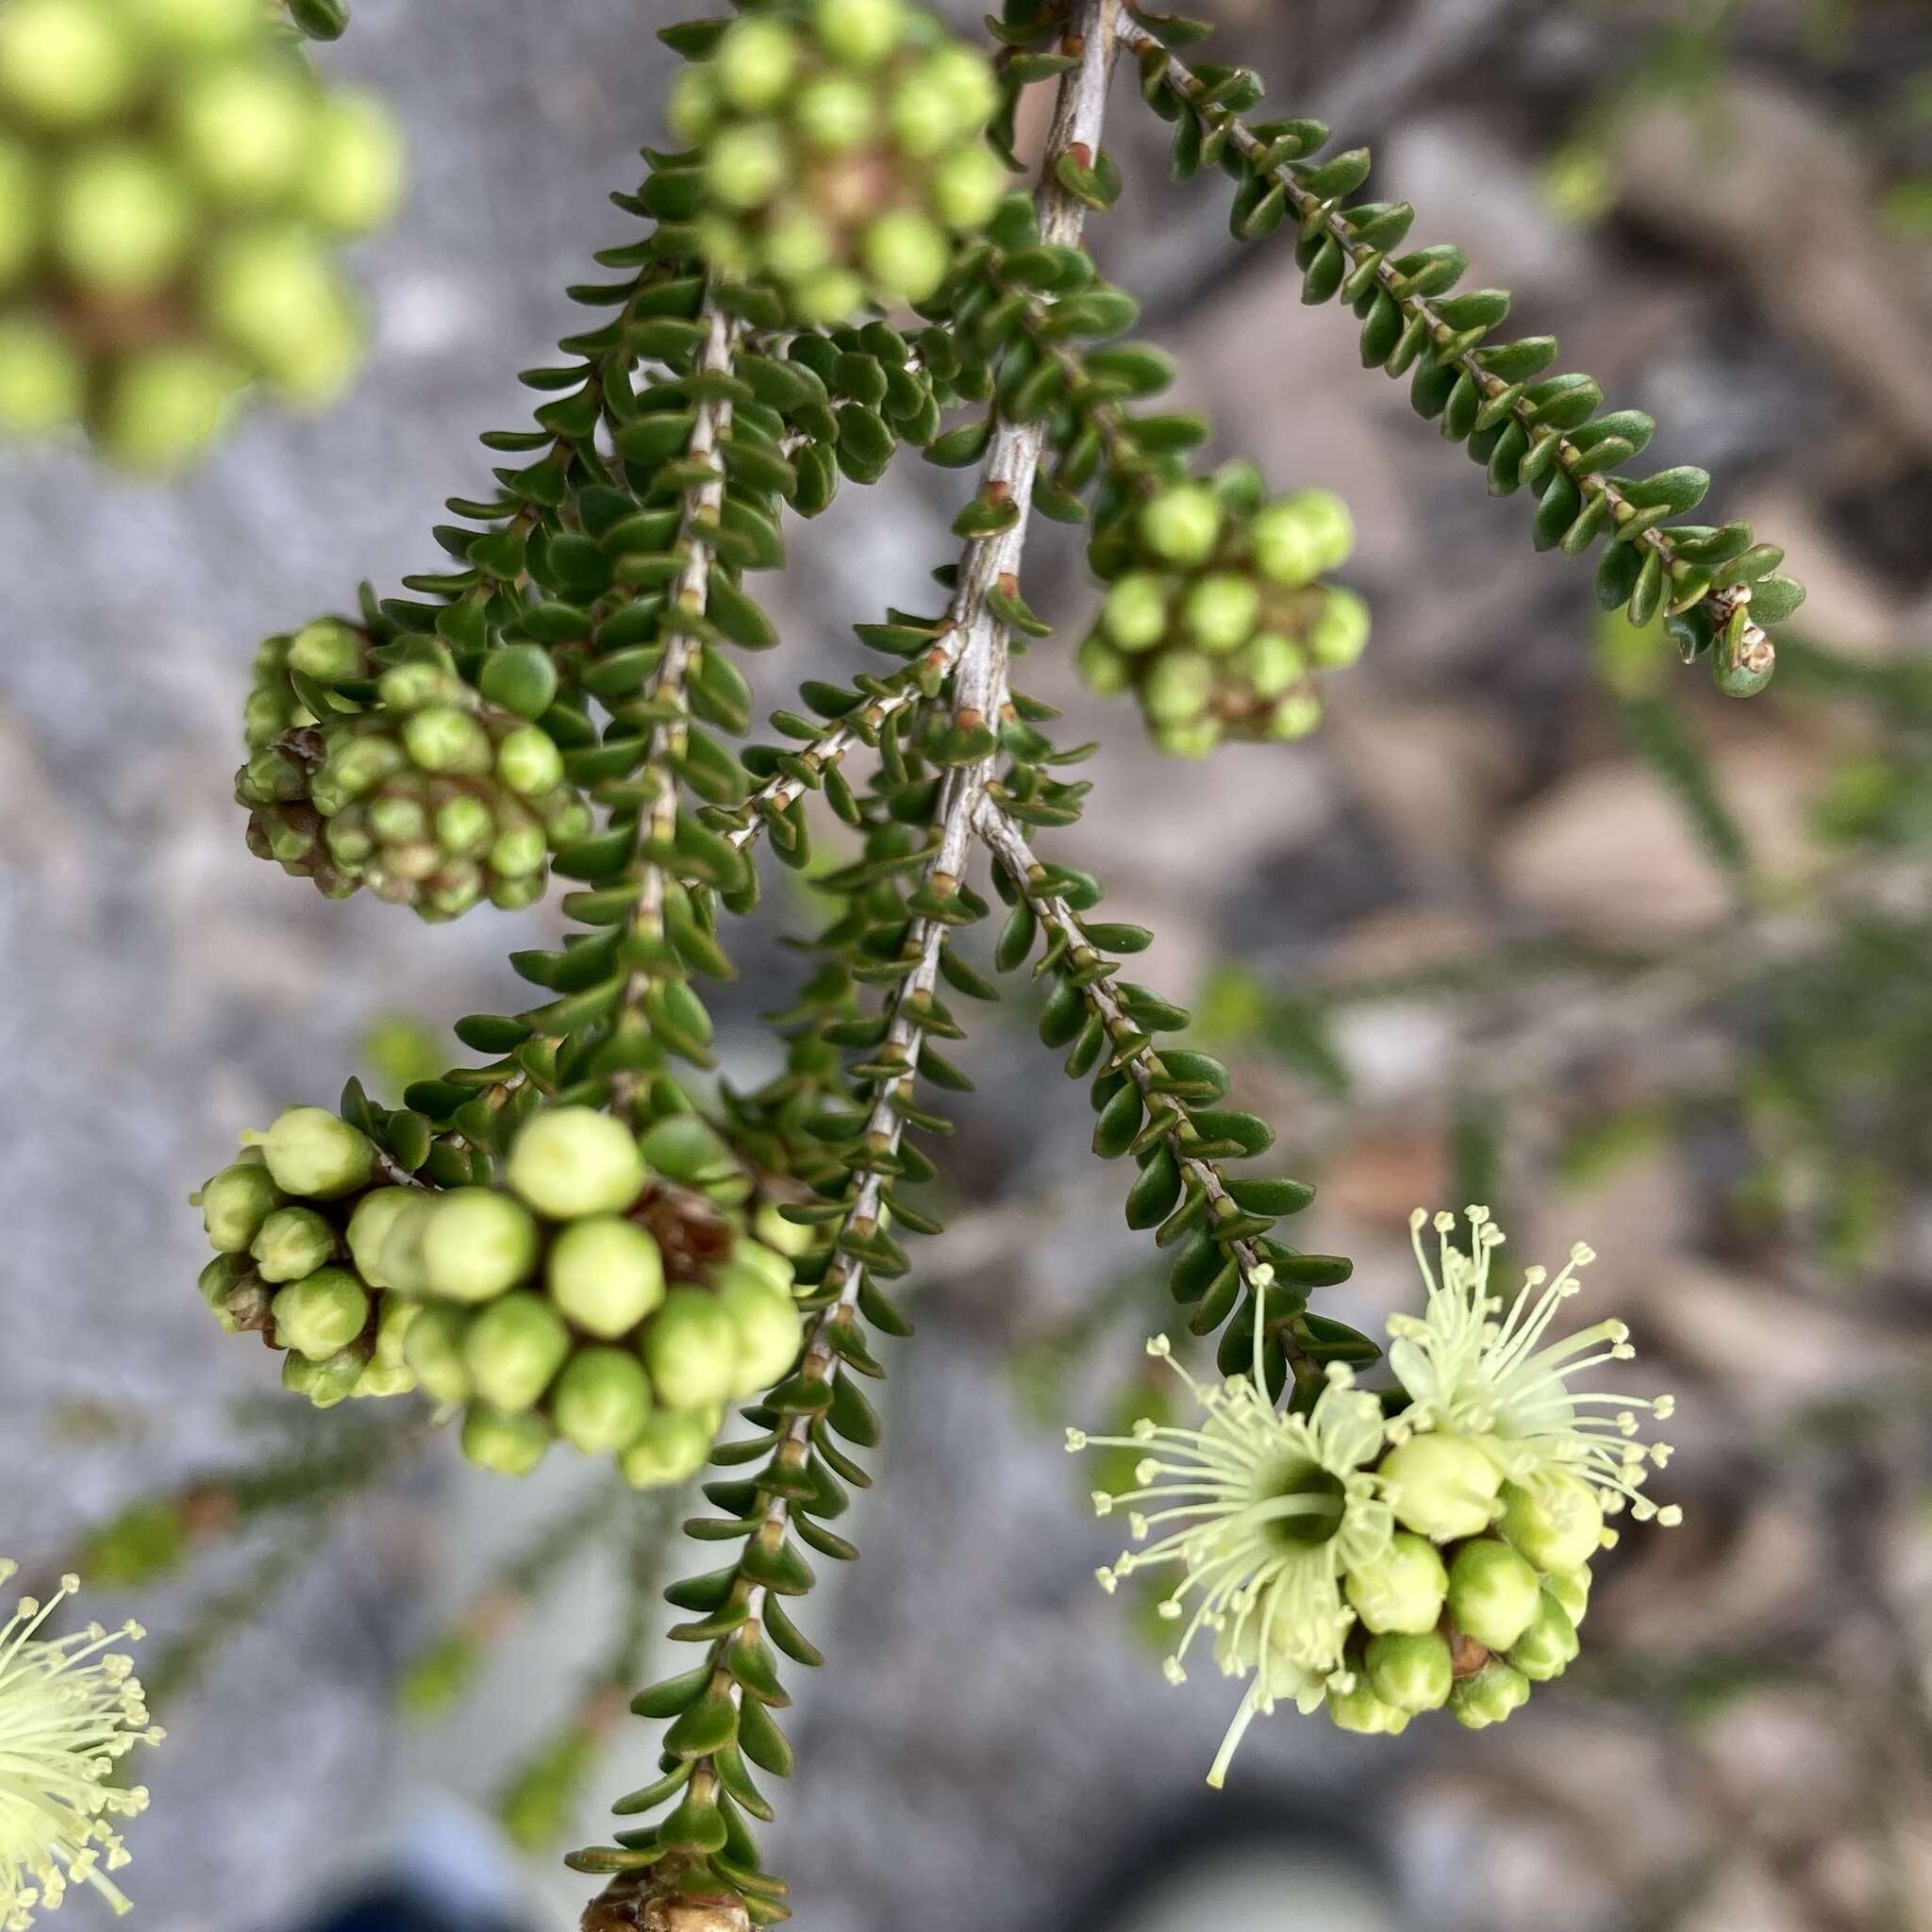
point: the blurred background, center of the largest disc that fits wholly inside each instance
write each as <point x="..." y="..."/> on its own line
<point x="1537" y="920"/>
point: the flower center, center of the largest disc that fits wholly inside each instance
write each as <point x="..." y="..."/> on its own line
<point x="1298" y="1505"/>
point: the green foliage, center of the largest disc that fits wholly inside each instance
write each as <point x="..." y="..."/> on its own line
<point x="1528" y="428"/>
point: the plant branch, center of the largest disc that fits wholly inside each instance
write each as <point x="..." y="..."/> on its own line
<point x="1366" y="273"/>
<point x="860" y="727"/>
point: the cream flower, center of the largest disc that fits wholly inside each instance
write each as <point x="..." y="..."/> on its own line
<point x="1261" y="1511"/>
<point x="70" y="1708"/>
<point x="1473" y="1368"/>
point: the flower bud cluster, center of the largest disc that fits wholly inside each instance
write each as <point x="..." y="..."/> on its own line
<point x="434" y="798"/>
<point x="840" y="152"/>
<point x="1387" y="1564"/>
<point x="287" y="1222"/>
<point x="606" y="1293"/>
<point x="175" y="180"/>
<point x="1216" y="616"/>
<point x="1465" y="1621"/>
<point x="328" y="650"/>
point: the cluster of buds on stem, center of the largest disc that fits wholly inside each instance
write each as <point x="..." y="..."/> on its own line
<point x="433" y="798"/>
<point x="1216" y="616"/>
<point x="841" y="153"/>
<point x="607" y="1291"/>
<point x="175" y="180"/>
<point x="1381" y="1565"/>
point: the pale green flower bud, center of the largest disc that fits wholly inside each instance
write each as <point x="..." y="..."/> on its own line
<point x="1571" y="1588"/>
<point x="1220" y="611"/>
<point x="1493" y="1592"/>
<point x="1402" y="1588"/>
<point x="440" y="738"/>
<point x="1558" y="1522"/>
<point x="399" y="820"/>
<point x="835" y="113"/>
<point x="1439" y="1486"/>
<point x="1179" y="686"/>
<point x="165" y="404"/>
<point x="321" y="1313"/>
<point x="1341" y="632"/>
<point x="1548" y="1645"/>
<point x="518" y="852"/>
<point x="764" y="1263"/>
<point x="393" y="1322"/>
<point x="964" y="76"/>
<point x="512" y="894"/>
<point x="1269" y="664"/>
<point x="327" y="1382"/>
<point x="1285" y="546"/>
<point x="967" y="187"/>
<point x="674" y="1444"/>
<point x="921" y="116"/>
<point x="693" y="110"/>
<point x="242" y="128"/>
<point x="830" y="299"/>
<point x="514" y="1349"/>
<point x="379" y="1379"/>
<point x="684" y="1147"/>
<point x="293" y="1241"/>
<point x="1489" y="1696"/>
<point x="1135" y="612"/>
<point x="529" y="762"/>
<point x="465" y="826"/>
<point x="42" y="380"/>
<point x="905" y="255"/>
<point x="235" y="1204"/>
<point x="601" y="1400"/>
<point x="574" y="1161"/>
<point x="434" y="1351"/>
<point x="64" y="63"/>
<point x="476" y="1244"/>
<point x="796" y="245"/>
<point x="1183" y="523"/>
<point x="1193" y="740"/>
<point x="312" y="1153"/>
<point x="271" y="776"/>
<point x="1102" y="668"/>
<point x="1412" y="1671"/>
<point x="123" y="221"/>
<point x="691" y="1349"/>
<point x="746" y="164"/>
<point x="1361" y="1711"/>
<point x="218" y="1281"/>
<point x="606" y="1275"/>
<point x="353" y="175"/>
<point x="404" y="687"/>
<point x="1295" y="716"/>
<point x="505" y="1444"/>
<point x="790" y="1238"/>
<point x="369" y="1230"/>
<point x="858" y="32"/>
<point x="769" y="1330"/>
<point x="754" y="63"/>
<point x="520" y="678"/>
<point x="273" y="292"/>
<point x="326" y="650"/>
<point x="359" y="765"/>
<point x="1330" y="526"/>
